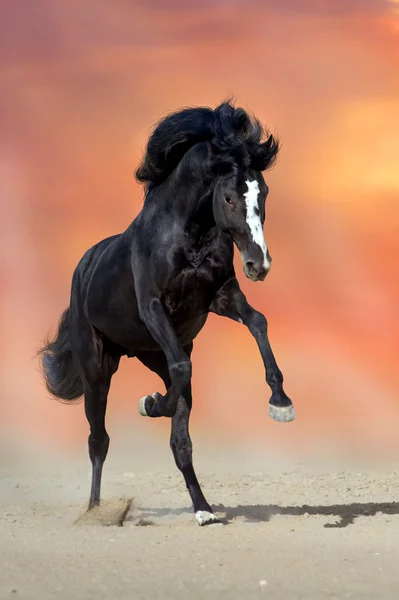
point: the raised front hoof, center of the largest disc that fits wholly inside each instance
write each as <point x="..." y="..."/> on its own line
<point x="207" y="518"/>
<point x="282" y="414"/>
<point x="147" y="403"/>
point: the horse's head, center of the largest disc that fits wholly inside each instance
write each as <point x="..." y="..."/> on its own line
<point x="239" y="156"/>
<point x="239" y="209"/>
<point x="222" y="149"/>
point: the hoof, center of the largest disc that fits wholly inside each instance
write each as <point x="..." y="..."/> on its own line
<point x="282" y="414"/>
<point x="150" y="401"/>
<point x="207" y="518"/>
<point x="142" y="410"/>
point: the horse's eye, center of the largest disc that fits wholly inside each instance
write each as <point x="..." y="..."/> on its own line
<point x="228" y="200"/>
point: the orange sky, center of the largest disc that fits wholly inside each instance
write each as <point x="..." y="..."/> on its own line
<point x="80" y="86"/>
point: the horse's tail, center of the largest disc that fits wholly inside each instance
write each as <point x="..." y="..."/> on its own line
<point x="58" y="364"/>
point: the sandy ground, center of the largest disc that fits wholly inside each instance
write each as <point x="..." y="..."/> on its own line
<point x="294" y="530"/>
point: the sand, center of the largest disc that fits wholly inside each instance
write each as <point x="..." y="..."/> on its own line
<point x="294" y="529"/>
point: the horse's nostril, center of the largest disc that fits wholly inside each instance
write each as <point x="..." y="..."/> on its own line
<point x="249" y="264"/>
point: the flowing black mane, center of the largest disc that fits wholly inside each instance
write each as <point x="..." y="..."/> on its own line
<point x="235" y="136"/>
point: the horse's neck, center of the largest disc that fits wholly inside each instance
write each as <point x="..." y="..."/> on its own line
<point x="187" y="195"/>
<point x="200" y="223"/>
<point x="191" y="189"/>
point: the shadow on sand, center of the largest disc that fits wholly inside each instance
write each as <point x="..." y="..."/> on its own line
<point x="345" y="514"/>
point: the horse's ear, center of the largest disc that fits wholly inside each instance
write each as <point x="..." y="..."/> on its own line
<point x="221" y="162"/>
<point x="210" y="150"/>
<point x="264" y="155"/>
<point x="210" y="154"/>
<point x="210" y="158"/>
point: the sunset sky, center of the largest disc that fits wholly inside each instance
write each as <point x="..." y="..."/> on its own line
<point x="81" y="85"/>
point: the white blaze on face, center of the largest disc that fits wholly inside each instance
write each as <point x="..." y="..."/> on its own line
<point x="253" y="218"/>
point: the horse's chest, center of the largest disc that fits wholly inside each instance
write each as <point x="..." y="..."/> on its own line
<point x="191" y="293"/>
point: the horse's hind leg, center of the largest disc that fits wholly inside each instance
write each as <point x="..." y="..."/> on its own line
<point x="96" y="368"/>
<point x="96" y="393"/>
<point x="180" y="441"/>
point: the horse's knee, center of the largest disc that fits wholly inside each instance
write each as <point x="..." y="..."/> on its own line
<point x="258" y="324"/>
<point x="180" y="373"/>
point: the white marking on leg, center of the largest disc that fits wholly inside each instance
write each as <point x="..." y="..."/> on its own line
<point x="142" y="410"/>
<point x="206" y="518"/>
<point x="282" y="414"/>
<point x="253" y="218"/>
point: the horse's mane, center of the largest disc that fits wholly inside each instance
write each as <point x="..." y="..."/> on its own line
<point x="235" y="137"/>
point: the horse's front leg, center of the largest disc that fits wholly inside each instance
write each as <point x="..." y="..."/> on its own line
<point x="153" y="315"/>
<point x="231" y="302"/>
<point x="180" y="441"/>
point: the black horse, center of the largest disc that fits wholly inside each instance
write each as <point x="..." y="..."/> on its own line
<point x="147" y="292"/>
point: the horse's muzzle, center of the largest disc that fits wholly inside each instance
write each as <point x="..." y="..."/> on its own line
<point x="257" y="270"/>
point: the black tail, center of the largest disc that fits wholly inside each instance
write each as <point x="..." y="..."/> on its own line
<point x="58" y="365"/>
